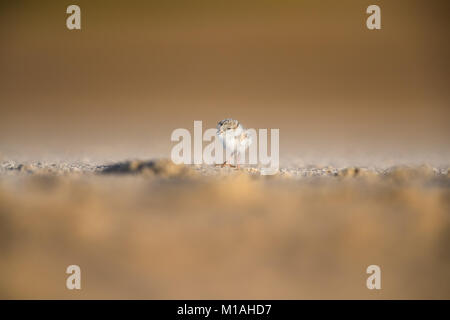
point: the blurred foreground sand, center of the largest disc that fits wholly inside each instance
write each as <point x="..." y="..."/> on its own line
<point x="155" y="230"/>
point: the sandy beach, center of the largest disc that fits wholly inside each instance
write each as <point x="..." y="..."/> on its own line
<point x="155" y="230"/>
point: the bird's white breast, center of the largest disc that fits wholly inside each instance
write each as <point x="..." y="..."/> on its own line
<point x="229" y="141"/>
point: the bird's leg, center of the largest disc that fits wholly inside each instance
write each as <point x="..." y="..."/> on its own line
<point x="238" y="155"/>
<point x="222" y="164"/>
<point x="225" y="163"/>
<point x="232" y="157"/>
<point x="228" y="162"/>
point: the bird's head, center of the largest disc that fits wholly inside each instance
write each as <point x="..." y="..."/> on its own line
<point x="229" y="127"/>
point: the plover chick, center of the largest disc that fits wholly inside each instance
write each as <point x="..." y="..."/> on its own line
<point x="234" y="137"/>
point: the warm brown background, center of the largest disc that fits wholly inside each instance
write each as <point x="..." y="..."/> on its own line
<point x="139" y="69"/>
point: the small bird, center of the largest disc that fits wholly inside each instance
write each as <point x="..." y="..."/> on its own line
<point x="234" y="137"/>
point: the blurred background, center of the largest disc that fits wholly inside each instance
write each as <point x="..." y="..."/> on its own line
<point x="139" y="69"/>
